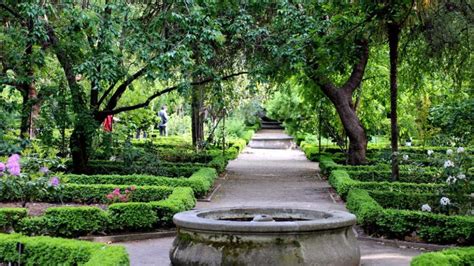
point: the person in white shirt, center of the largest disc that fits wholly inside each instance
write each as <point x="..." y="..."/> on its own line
<point x="164" y="120"/>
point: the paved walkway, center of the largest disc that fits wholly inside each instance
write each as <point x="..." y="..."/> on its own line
<point x="261" y="177"/>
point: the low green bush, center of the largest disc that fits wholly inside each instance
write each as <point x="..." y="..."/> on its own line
<point x="75" y="221"/>
<point x="429" y="227"/>
<point x="248" y="135"/>
<point x="447" y="257"/>
<point x="342" y="182"/>
<point x="422" y="176"/>
<point x="9" y="217"/>
<point x="56" y="251"/>
<point x="158" y="168"/>
<point x="201" y="181"/>
<point x="180" y="200"/>
<point x="97" y="193"/>
<point x="410" y="201"/>
<point x="131" y="216"/>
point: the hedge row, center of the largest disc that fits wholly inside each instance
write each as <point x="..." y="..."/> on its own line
<point x="130" y="216"/>
<point x="405" y="176"/>
<point x="342" y="182"/>
<point x="201" y="181"/>
<point x="55" y="251"/>
<point x="82" y="193"/>
<point x="100" y="167"/>
<point x="392" y="223"/>
<point x="409" y="201"/>
<point x="9" y="217"/>
<point x="380" y="149"/>
<point x="447" y="257"/>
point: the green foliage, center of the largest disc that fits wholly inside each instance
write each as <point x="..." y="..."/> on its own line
<point x="56" y="251"/>
<point x="9" y="217"/>
<point x="131" y="216"/>
<point x="446" y="257"/>
<point x="201" y="181"/>
<point x="433" y="228"/>
<point x="75" y="221"/>
<point x="180" y="200"/>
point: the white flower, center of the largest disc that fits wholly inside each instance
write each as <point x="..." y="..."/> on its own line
<point x="430" y="152"/>
<point x="461" y="176"/>
<point x="460" y="150"/>
<point x="444" y="201"/>
<point x="426" y="208"/>
<point x="112" y="158"/>
<point x="449" y="152"/>
<point x="448" y="163"/>
<point x="408" y="144"/>
<point x="451" y="180"/>
<point x="405" y="157"/>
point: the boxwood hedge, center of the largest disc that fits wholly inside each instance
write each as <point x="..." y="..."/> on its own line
<point x="447" y="257"/>
<point x="392" y="223"/>
<point x="55" y="251"/>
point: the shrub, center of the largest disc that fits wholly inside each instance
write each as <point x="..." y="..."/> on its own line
<point x="132" y="216"/>
<point x="447" y="257"/>
<point x="97" y="193"/>
<point x="201" y="181"/>
<point x="75" y="221"/>
<point x="56" y="251"/>
<point x="182" y="199"/>
<point x="341" y="181"/>
<point x="9" y="217"/>
<point x="434" y="228"/>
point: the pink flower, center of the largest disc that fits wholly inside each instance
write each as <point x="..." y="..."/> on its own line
<point x="110" y="196"/>
<point x="116" y="191"/>
<point x="54" y="181"/>
<point x="13" y="165"/>
<point x="132" y="188"/>
<point x="127" y="191"/>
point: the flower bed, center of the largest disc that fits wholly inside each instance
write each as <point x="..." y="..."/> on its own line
<point x="447" y="257"/>
<point x="55" y="251"/>
<point x="128" y="216"/>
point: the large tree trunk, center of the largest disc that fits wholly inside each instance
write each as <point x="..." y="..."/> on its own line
<point x="197" y="117"/>
<point x="34" y="105"/>
<point x="342" y="100"/>
<point x="354" y="129"/>
<point x="79" y="144"/>
<point x="393" y="38"/>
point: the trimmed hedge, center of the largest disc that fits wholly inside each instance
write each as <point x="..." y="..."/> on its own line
<point x="447" y="257"/>
<point x="342" y="182"/>
<point x="433" y="228"/>
<point x="130" y="216"/>
<point x="9" y="217"/>
<point x="55" y="251"/>
<point x="201" y="181"/>
<point x="409" y="201"/>
<point x="405" y="176"/>
<point x="159" y="168"/>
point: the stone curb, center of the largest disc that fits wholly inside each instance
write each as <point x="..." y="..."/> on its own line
<point x="404" y="244"/>
<point x="129" y="237"/>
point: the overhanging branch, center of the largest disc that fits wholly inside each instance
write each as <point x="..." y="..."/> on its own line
<point x="102" y="114"/>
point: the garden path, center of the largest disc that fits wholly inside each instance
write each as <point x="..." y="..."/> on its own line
<point x="271" y="177"/>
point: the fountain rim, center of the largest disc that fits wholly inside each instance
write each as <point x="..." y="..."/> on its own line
<point x="192" y="221"/>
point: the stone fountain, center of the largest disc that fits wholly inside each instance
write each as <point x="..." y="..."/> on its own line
<point x="264" y="236"/>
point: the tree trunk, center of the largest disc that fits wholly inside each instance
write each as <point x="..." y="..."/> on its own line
<point x="342" y="100"/>
<point x="25" y="110"/>
<point x="352" y="126"/>
<point x="393" y="38"/>
<point x="197" y="117"/>
<point x="34" y="105"/>
<point x="80" y="146"/>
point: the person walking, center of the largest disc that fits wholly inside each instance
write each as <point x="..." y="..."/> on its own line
<point x="164" y="119"/>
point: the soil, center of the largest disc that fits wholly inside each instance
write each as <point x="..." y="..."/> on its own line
<point x="38" y="208"/>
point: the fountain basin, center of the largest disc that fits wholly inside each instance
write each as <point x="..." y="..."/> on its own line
<point x="264" y="236"/>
